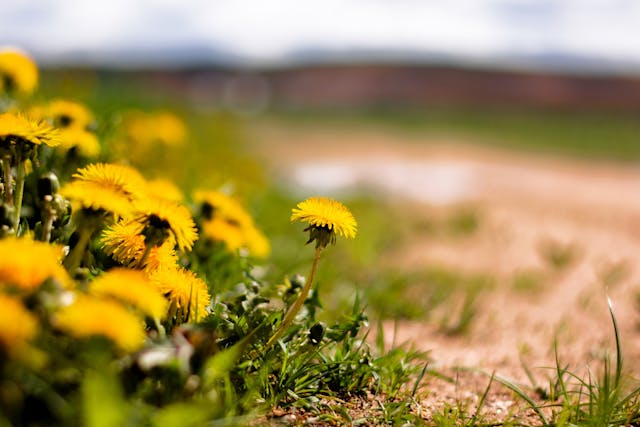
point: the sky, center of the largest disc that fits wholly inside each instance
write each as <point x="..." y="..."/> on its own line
<point x="586" y="33"/>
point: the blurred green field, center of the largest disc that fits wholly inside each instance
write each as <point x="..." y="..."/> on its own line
<point x="220" y="156"/>
<point x="610" y="135"/>
<point x="605" y="135"/>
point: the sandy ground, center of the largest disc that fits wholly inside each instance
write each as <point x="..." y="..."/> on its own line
<point x="529" y="205"/>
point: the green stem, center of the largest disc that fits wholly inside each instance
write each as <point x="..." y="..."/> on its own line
<point x="293" y="310"/>
<point x="73" y="260"/>
<point x="8" y="184"/>
<point x="18" y="194"/>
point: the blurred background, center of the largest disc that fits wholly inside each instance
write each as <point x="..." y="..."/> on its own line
<point x="488" y="148"/>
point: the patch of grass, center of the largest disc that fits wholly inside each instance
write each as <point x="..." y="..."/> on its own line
<point x="464" y="221"/>
<point x="595" y="399"/>
<point x="470" y="411"/>
<point x="417" y="295"/>
<point x="529" y="281"/>
<point x="558" y="255"/>
<point x="458" y="321"/>
<point x="615" y="273"/>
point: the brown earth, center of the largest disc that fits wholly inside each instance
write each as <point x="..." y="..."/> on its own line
<point x="532" y="207"/>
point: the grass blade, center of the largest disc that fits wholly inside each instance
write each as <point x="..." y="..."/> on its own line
<point x="618" y="344"/>
<point x="514" y="387"/>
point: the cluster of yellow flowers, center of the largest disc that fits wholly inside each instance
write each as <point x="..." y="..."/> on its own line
<point x="142" y="225"/>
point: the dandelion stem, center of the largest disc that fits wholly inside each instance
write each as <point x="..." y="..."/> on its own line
<point x="49" y="217"/>
<point x="73" y="260"/>
<point x="8" y="185"/>
<point x="293" y="310"/>
<point x="19" y="193"/>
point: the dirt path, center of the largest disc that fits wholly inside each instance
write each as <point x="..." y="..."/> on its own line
<point x="533" y="209"/>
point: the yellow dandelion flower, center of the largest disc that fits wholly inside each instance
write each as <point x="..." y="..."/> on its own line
<point x="187" y="294"/>
<point x="18" y="73"/>
<point x="125" y="243"/>
<point x="132" y="287"/>
<point x="164" y="189"/>
<point x="157" y="127"/>
<point x="103" y="186"/>
<point x="162" y="219"/>
<point x="326" y="218"/>
<point x="85" y="143"/>
<point x="257" y="243"/>
<point x="17" y="325"/>
<point x="217" y="204"/>
<point x="26" y="264"/>
<point x="220" y="230"/>
<point x="227" y="221"/>
<point x="161" y="257"/>
<point x="124" y="178"/>
<point x="68" y="114"/>
<point x="16" y="128"/>
<point x="92" y="316"/>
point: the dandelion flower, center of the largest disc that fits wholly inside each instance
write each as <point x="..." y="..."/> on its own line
<point x="164" y="189"/>
<point x="85" y="143"/>
<point x="68" y="114"/>
<point x="16" y="128"/>
<point x="257" y="243"/>
<point x="17" y="325"/>
<point x="161" y="257"/>
<point x="326" y="218"/>
<point x="225" y="220"/>
<point x="125" y="243"/>
<point x="26" y="264"/>
<point x="126" y="179"/>
<point x="162" y="219"/>
<point x="142" y="134"/>
<point x="18" y="73"/>
<point x="132" y="287"/>
<point x="217" y="204"/>
<point x="220" y="230"/>
<point x="104" y="186"/>
<point x="92" y="316"/>
<point x="187" y="294"/>
<point x="158" y="127"/>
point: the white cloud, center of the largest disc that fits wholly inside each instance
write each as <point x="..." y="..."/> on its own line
<point x="262" y="30"/>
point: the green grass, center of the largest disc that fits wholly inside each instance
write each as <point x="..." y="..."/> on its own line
<point x="586" y="134"/>
<point x="606" y="397"/>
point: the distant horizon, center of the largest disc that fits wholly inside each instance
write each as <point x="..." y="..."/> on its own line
<point x="166" y="59"/>
<point x="577" y="36"/>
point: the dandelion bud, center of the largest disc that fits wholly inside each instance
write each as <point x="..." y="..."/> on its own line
<point x="60" y="205"/>
<point x="316" y="333"/>
<point x="48" y="185"/>
<point x="297" y="281"/>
